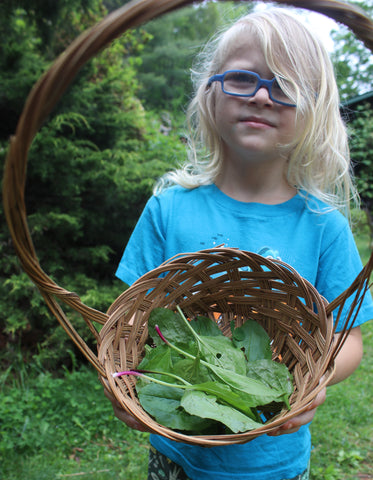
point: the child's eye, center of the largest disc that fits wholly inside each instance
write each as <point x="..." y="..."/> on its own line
<point x="240" y="77"/>
<point x="240" y="83"/>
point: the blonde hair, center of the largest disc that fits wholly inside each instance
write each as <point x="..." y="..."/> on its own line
<point x="319" y="161"/>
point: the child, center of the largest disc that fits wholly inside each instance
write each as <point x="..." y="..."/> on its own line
<point x="268" y="171"/>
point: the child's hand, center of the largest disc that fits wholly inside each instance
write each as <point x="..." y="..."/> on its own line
<point x="123" y="416"/>
<point x="295" y="423"/>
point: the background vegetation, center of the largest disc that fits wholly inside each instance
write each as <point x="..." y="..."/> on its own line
<point x="91" y="169"/>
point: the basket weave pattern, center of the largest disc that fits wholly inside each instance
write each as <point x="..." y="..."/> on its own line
<point x="236" y="285"/>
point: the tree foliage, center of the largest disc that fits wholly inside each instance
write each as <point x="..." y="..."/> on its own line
<point x="172" y="44"/>
<point x="354" y="66"/>
<point x="91" y="169"/>
<point x="352" y="59"/>
<point x="361" y="145"/>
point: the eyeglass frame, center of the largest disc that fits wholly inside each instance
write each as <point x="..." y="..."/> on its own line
<point x="261" y="83"/>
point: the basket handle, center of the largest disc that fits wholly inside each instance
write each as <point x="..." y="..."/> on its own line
<point x="359" y="287"/>
<point x="45" y="95"/>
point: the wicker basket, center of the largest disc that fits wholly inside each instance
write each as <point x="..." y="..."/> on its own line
<point x="231" y="285"/>
<point x="234" y="284"/>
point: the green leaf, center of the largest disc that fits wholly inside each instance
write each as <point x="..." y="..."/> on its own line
<point x="256" y="392"/>
<point x="216" y="349"/>
<point x="226" y="395"/>
<point x="163" y="403"/>
<point x="158" y="359"/>
<point x="192" y="370"/>
<point x="206" y="327"/>
<point x="274" y="375"/>
<point x="206" y="406"/>
<point x="171" y="326"/>
<point x="253" y="339"/>
<point x="221" y="352"/>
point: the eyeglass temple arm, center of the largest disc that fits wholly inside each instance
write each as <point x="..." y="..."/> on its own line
<point x="215" y="78"/>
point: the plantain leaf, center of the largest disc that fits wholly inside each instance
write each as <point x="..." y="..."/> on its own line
<point x="221" y="352"/>
<point x="226" y="396"/>
<point x="171" y="326"/>
<point x="159" y="359"/>
<point x="274" y="375"/>
<point x="192" y="370"/>
<point x="253" y="339"/>
<point x="207" y="406"/>
<point x="206" y="327"/>
<point x="163" y="403"/>
<point x="256" y="392"/>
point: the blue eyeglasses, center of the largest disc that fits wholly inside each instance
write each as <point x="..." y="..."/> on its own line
<point x="242" y="83"/>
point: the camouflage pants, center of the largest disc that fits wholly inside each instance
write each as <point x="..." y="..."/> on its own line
<point x="162" y="468"/>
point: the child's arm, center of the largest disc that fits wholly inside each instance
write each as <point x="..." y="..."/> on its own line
<point x="346" y="363"/>
<point x="349" y="357"/>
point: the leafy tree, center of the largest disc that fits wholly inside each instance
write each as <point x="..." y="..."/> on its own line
<point x="20" y="65"/>
<point x="91" y="169"/>
<point x="353" y="61"/>
<point x="354" y="66"/>
<point x="361" y="144"/>
<point x="173" y="41"/>
<point x="165" y="62"/>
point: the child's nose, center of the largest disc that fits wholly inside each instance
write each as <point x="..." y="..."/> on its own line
<point x="261" y="97"/>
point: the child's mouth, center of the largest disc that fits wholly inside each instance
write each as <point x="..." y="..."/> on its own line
<point x="257" y="122"/>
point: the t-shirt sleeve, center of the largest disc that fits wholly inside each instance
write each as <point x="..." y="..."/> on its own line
<point x="340" y="264"/>
<point x="146" y="246"/>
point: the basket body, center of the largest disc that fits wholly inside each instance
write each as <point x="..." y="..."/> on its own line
<point x="227" y="284"/>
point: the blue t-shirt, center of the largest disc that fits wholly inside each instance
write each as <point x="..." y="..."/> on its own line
<point x="306" y="234"/>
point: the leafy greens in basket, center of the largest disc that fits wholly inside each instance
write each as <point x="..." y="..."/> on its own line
<point x="195" y="379"/>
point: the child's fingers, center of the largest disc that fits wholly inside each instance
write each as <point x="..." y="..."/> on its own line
<point x="295" y="423"/>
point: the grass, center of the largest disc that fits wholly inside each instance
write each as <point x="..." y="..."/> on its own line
<point x="61" y="428"/>
<point x="343" y="427"/>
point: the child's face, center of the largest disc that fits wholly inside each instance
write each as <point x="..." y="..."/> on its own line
<point x="253" y="127"/>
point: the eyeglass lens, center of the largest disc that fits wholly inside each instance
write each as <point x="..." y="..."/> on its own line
<point x="243" y="83"/>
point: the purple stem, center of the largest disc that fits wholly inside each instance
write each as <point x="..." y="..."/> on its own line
<point x="128" y="372"/>
<point x="158" y="330"/>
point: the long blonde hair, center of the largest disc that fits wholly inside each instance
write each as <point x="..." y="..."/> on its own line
<point x="319" y="161"/>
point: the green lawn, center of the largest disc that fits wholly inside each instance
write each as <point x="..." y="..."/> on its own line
<point x="342" y="430"/>
<point x="61" y="428"/>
